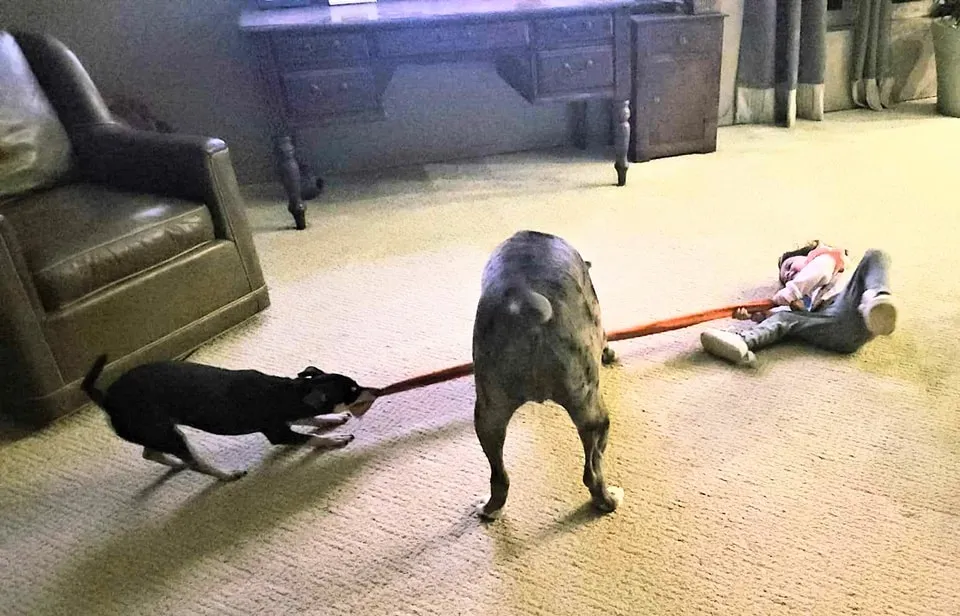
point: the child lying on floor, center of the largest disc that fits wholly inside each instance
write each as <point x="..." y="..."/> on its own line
<point x="821" y="306"/>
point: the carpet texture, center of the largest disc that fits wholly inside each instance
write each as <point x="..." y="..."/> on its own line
<point x="813" y="484"/>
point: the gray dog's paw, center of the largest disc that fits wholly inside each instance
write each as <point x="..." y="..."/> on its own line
<point x="481" y="509"/>
<point x="616" y="494"/>
<point x="608" y="357"/>
<point x="610" y="500"/>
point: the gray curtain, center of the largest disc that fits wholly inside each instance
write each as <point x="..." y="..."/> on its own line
<point x="871" y="72"/>
<point x="782" y="61"/>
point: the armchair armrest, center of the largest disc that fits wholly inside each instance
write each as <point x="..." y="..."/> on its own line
<point x="182" y="166"/>
<point x="141" y="161"/>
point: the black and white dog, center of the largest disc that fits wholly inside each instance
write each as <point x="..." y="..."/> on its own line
<point x="148" y="403"/>
<point x="538" y="337"/>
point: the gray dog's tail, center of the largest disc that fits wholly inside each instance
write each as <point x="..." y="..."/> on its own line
<point x="89" y="382"/>
<point x="529" y="305"/>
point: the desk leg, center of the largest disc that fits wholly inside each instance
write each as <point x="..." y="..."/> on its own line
<point x="621" y="139"/>
<point x="290" y="176"/>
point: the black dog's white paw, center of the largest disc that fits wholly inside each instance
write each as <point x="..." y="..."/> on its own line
<point x="321" y="422"/>
<point x="330" y="442"/>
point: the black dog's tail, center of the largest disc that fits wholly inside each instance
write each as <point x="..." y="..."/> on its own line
<point x="89" y="382"/>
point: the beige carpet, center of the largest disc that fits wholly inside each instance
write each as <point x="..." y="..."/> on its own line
<point x="814" y="484"/>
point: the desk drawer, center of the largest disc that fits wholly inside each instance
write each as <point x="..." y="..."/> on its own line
<point x="572" y="70"/>
<point x="329" y="92"/>
<point x="576" y="29"/>
<point x="694" y="36"/>
<point x="413" y="41"/>
<point x="302" y="51"/>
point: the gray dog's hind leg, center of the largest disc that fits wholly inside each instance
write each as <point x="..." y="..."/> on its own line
<point x="593" y="425"/>
<point x="490" y="423"/>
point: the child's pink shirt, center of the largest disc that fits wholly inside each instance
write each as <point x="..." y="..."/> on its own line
<point x="819" y="279"/>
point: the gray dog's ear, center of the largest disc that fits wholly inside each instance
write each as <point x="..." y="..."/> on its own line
<point x="316" y="399"/>
<point x="310" y="372"/>
<point x="589" y="265"/>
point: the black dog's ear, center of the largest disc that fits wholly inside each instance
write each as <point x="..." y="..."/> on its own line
<point x="310" y="372"/>
<point x="316" y="399"/>
<point x="588" y="264"/>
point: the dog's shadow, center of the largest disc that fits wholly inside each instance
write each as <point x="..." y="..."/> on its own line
<point x="214" y="520"/>
<point x="508" y="546"/>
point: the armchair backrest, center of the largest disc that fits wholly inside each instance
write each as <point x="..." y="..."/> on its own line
<point x="35" y="150"/>
<point x="66" y="83"/>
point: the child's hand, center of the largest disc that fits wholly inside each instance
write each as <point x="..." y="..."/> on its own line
<point x="743" y="314"/>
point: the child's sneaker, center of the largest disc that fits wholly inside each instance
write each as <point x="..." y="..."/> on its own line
<point x="727" y="345"/>
<point x="879" y="313"/>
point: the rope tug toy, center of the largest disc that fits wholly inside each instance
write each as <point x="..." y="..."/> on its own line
<point x="656" y="327"/>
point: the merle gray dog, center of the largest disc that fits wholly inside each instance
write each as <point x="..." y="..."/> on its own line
<point x="538" y="337"/>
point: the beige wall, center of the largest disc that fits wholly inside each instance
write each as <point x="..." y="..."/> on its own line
<point x="187" y="60"/>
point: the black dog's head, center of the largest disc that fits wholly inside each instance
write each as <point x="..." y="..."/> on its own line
<point x="334" y="393"/>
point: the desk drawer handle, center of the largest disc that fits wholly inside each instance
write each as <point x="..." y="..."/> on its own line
<point x="316" y="88"/>
<point x="569" y="67"/>
<point x="310" y="47"/>
<point x="584" y="25"/>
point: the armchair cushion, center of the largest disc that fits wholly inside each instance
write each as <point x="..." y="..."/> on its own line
<point x="35" y="150"/>
<point x="80" y="238"/>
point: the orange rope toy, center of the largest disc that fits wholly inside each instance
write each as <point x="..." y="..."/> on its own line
<point x="656" y="327"/>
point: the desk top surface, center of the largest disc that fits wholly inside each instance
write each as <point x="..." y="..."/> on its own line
<point x="399" y="12"/>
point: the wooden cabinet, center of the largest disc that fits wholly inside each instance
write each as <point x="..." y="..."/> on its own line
<point x="676" y="84"/>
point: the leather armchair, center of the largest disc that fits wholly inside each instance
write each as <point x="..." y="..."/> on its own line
<point x="144" y="254"/>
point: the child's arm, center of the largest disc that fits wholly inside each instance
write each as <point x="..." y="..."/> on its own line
<point x="816" y="274"/>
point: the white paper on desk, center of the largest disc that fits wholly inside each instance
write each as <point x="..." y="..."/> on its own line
<point x="339" y="2"/>
<point x="352" y="13"/>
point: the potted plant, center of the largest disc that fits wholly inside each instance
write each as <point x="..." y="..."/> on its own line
<point x="946" y="51"/>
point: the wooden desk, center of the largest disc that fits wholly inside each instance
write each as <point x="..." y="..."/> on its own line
<point x="323" y="64"/>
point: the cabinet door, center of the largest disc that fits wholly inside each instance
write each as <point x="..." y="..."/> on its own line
<point x="677" y="96"/>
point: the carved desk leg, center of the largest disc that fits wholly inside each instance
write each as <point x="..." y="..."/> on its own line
<point x="621" y="139"/>
<point x="290" y="176"/>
